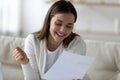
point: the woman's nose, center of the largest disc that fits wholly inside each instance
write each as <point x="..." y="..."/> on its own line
<point x="63" y="29"/>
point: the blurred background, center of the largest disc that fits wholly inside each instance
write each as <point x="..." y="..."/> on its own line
<point x="97" y="19"/>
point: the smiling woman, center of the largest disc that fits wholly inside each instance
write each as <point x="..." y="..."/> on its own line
<point x="43" y="48"/>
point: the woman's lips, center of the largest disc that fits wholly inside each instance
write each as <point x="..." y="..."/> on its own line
<point x="60" y="34"/>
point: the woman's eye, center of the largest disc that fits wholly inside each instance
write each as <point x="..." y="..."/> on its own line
<point x="59" y="24"/>
<point x="69" y="26"/>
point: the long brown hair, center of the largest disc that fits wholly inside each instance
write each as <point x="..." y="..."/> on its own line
<point x="61" y="6"/>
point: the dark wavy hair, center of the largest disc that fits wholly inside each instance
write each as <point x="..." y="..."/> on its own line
<point x="61" y="6"/>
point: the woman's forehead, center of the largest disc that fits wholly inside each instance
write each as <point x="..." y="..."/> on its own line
<point x="69" y="17"/>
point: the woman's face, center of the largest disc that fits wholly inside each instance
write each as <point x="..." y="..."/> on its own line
<point x="61" y="25"/>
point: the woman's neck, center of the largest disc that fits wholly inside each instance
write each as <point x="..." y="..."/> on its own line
<point x="52" y="45"/>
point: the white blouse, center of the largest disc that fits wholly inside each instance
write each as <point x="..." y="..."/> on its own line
<point x="52" y="57"/>
<point x="40" y="59"/>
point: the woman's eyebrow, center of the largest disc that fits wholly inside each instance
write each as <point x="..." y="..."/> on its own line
<point x="59" y="20"/>
<point x="70" y="23"/>
<point x="62" y="21"/>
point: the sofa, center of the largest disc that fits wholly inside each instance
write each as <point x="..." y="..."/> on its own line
<point x="106" y="65"/>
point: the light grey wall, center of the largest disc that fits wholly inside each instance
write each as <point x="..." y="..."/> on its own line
<point x="89" y="17"/>
<point x="33" y="12"/>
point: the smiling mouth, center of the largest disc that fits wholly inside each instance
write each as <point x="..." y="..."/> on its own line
<point x="60" y="35"/>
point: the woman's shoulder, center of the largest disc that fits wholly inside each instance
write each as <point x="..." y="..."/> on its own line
<point x="78" y="39"/>
<point x="33" y="38"/>
<point x="30" y="37"/>
<point x="77" y="45"/>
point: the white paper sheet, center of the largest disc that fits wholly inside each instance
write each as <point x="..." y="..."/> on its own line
<point x="69" y="66"/>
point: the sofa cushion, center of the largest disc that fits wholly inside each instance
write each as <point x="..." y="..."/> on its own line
<point x="107" y="62"/>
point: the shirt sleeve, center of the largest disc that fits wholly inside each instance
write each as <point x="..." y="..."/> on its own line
<point x="30" y="70"/>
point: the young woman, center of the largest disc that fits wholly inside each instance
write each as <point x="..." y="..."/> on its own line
<point x="42" y="48"/>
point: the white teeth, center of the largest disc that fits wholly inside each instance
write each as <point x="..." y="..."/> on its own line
<point x="59" y="34"/>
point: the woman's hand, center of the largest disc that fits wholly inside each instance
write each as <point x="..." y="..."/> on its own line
<point x="20" y="56"/>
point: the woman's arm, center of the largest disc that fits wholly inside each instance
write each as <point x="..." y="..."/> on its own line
<point x="30" y="70"/>
<point x="27" y="59"/>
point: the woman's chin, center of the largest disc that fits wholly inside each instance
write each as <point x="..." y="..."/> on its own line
<point x="58" y="39"/>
